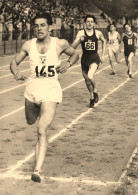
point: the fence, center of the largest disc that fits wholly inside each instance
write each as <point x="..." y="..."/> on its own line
<point x="11" y="43"/>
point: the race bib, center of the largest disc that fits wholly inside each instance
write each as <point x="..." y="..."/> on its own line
<point x="130" y="42"/>
<point x="45" y="71"/>
<point x="90" y="45"/>
<point x="111" y="41"/>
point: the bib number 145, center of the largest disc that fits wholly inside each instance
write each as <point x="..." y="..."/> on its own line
<point x="45" y="71"/>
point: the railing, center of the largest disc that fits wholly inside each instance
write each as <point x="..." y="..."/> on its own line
<point x="11" y="43"/>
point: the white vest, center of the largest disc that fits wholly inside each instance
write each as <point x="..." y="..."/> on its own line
<point x="113" y="39"/>
<point x="43" y="65"/>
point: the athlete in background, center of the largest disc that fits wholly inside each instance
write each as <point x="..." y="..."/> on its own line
<point x="43" y="90"/>
<point x="90" y="60"/>
<point x="129" y="38"/>
<point x="113" y="42"/>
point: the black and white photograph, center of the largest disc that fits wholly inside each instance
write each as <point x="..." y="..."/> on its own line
<point x="69" y="97"/>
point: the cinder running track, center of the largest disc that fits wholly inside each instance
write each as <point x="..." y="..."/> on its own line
<point x="88" y="148"/>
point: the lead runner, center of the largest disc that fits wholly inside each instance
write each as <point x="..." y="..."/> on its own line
<point x="43" y="90"/>
<point x="90" y="60"/>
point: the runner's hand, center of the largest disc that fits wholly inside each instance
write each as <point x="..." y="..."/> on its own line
<point x="62" y="68"/>
<point x="18" y="76"/>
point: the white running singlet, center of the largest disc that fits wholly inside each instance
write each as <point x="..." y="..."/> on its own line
<point x="43" y="84"/>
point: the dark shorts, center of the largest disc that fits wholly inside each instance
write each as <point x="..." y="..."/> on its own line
<point x="127" y="52"/>
<point x="87" y="60"/>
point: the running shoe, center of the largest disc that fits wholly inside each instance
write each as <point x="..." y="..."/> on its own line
<point x="112" y="73"/>
<point x="130" y="76"/>
<point x="92" y="103"/>
<point x="36" y="176"/>
<point x="96" y="97"/>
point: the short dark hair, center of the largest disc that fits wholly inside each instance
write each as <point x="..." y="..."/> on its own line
<point x="125" y="25"/>
<point x="113" y="23"/>
<point x="47" y="16"/>
<point x="90" y="16"/>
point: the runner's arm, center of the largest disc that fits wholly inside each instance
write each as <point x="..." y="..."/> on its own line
<point x="121" y="42"/>
<point x="107" y="40"/>
<point x="76" y="43"/>
<point x="136" y="40"/>
<point x="16" y="61"/>
<point x="79" y="37"/>
<point x="101" y="37"/>
<point x="70" y="51"/>
<point x="119" y="37"/>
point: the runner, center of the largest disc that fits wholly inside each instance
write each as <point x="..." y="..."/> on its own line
<point x="90" y="60"/>
<point x="43" y="90"/>
<point x="113" y="42"/>
<point x="129" y="38"/>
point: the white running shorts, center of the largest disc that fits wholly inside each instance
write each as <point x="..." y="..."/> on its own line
<point x="39" y="90"/>
<point x="113" y="49"/>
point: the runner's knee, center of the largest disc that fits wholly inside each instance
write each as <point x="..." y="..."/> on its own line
<point x="91" y="76"/>
<point x="110" y="60"/>
<point x="42" y="130"/>
<point x="44" y="125"/>
<point x="129" y="58"/>
<point x="88" y="82"/>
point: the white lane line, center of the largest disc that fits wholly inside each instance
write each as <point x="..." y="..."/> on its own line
<point x="15" y="87"/>
<point x="88" y="181"/>
<point x="128" y="164"/>
<point x="19" y="109"/>
<point x="22" y="63"/>
<point x="73" y="67"/>
<point x="7" y="56"/>
<point x="4" y="70"/>
<point x="10" y="89"/>
<point x="26" y="69"/>
<point x="9" y="65"/>
<point x="121" y="178"/>
<point x="13" y="112"/>
<point x="75" y="73"/>
<point x="82" y="180"/>
<point x="12" y="74"/>
<point x="62" y="131"/>
<point x="20" y="71"/>
<point x="85" y="113"/>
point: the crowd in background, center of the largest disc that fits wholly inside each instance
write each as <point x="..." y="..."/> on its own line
<point x="22" y="11"/>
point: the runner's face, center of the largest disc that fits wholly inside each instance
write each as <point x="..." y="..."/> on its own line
<point x="128" y="28"/>
<point x="89" y="23"/>
<point x="112" y="28"/>
<point x="41" y="28"/>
